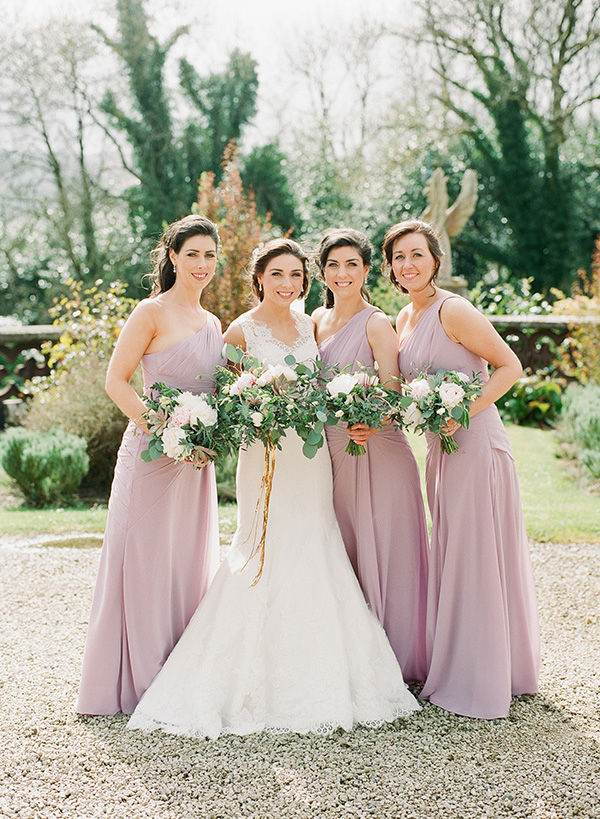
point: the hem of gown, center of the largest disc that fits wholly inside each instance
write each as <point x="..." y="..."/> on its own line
<point x="466" y="712"/>
<point x="321" y="729"/>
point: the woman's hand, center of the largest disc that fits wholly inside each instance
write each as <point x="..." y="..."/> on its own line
<point x="360" y="433"/>
<point x="450" y="427"/>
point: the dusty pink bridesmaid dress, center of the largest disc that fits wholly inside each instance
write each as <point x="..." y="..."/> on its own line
<point x="161" y="547"/>
<point x="482" y="622"/>
<point x="379" y="508"/>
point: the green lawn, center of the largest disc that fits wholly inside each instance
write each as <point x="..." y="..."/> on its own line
<point x="556" y="509"/>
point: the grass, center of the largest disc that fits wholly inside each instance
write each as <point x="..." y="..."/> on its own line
<point x="555" y="508"/>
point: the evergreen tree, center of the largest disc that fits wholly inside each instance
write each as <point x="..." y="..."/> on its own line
<point x="264" y="173"/>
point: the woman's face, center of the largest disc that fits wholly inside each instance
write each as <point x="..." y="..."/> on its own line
<point x="345" y="272"/>
<point x="412" y="262"/>
<point x="282" y="280"/>
<point x="196" y="262"/>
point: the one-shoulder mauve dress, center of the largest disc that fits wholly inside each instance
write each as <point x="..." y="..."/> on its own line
<point x="379" y="508"/>
<point x="161" y="546"/>
<point x="482" y="621"/>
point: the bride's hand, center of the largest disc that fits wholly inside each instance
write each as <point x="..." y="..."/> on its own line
<point x="360" y="433"/>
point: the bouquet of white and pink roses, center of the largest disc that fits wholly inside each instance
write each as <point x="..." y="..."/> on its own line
<point x="428" y="402"/>
<point x="359" y="398"/>
<point x="184" y="426"/>
<point x="260" y="402"/>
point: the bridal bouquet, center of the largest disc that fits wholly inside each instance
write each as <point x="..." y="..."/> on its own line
<point x="359" y="398"/>
<point x="184" y="426"/>
<point x="260" y="402"/>
<point x="430" y="401"/>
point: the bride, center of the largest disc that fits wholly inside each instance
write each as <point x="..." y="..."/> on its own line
<point x="299" y="651"/>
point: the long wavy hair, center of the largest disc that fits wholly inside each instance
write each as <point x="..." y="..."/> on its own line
<point x="174" y="237"/>
<point x="342" y="237"/>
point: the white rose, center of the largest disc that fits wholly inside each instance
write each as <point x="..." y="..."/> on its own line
<point x="173" y="441"/>
<point x="412" y="415"/>
<point x="462" y="377"/>
<point x="203" y="414"/>
<point x="265" y="378"/>
<point x="256" y="418"/>
<point x="342" y="384"/>
<point x="451" y="395"/>
<point x="201" y="411"/>
<point x="284" y="371"/>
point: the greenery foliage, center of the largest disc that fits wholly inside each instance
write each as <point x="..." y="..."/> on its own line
<point x="580" y="357"/>
<point x="48" y="466"/>
<point x="532" y="401"/>
<point x="582" y="424"/>
<point x="496" y="294"/>
<point x="73" y="395"/>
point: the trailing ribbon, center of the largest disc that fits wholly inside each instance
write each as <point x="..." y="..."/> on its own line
<point x="266" y="485"/>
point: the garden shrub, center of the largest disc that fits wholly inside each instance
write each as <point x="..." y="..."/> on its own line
<point x="532" y="401"/>
<point x="581" y="424"/>
<point x="497" y="294"/>
<point x="580" y="355"/>
<point x="48" y="466"/>
<point x="73" y="395"/>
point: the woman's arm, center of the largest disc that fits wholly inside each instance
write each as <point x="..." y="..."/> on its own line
<point x="134" y="339"/>
<point x="384" y="344"/>
<point x="465" y="325"/>
<point x="234" y="335"/>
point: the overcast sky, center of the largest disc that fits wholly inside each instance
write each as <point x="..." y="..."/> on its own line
<point x="268" y="29"/>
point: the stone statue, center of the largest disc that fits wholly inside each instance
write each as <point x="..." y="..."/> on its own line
<point x="449" y="221"/>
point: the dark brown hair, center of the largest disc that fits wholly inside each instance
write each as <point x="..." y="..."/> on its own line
<point x="174" y="237"/>
<point x="404" y="229"/>
<point x="342" y="237"/>
<point x="265" y="253"/>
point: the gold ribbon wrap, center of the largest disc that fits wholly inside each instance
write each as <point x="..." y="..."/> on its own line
<point x="266" y="485"/>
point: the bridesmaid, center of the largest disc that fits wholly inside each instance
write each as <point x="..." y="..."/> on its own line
<point x="482" y="624"/>
<point x="161" y="545"/>
<point x="377" y="496"/>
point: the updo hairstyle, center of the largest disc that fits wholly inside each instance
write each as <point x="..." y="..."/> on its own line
<point x="270" y="250"/>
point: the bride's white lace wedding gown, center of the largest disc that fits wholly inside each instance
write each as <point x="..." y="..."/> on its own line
<point x="299" y="651"/>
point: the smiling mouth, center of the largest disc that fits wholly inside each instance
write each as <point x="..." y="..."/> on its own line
<point x="199" y="275"/>
<point x="343" y="284"/>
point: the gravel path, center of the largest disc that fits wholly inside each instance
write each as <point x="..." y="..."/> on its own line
<point x="543" y="761"/>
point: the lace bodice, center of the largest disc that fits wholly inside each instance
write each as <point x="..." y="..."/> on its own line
<point x="262" y="344"/>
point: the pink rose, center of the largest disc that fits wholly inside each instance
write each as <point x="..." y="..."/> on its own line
<point x="366" y="379"/>
<point x="180" y="416"/>
<point x="243" y="382"/>
<point x="419" y="388"/>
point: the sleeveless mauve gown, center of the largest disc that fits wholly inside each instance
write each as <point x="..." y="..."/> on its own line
<point x="161" y="546"/>
<point x="482" y="622"/>
<point x="379" y="508"/>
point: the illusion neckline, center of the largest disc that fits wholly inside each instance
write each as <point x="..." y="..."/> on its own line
<point x="297" y="320"/>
